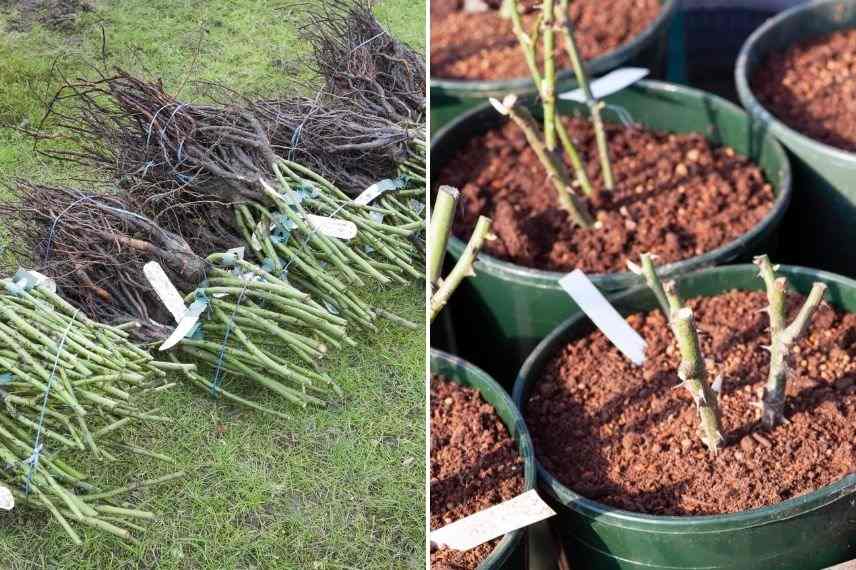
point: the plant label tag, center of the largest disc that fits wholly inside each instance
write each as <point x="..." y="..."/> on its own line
<point x="186" y="325"/>
<point x="850" y="565"/>
<point x="609" y="84"/>
<point x="165" y="290"/>
<point x="238" y="252"/>
<point x="469" y="532"/>
<point x="372" y="192"/>
<point x="604" y="316"/>
<point x="7" y="500"/>
<point x="254" y="239"/>
<point x="34" y="279"/>
<point x="333" y="227"/>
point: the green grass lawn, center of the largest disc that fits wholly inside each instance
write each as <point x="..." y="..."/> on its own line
<point x="341" y="487"/>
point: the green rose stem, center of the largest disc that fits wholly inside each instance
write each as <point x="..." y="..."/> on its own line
<point x="463" y="268"/>
<point x="570" y="42"/>
<point x="528" y="43"/>
<point x="692" y="370"/>
<point x="441" y="227"/>
<point x="783" y="337"/>
<point x="548" y="83"/>
<point x="556" y="171"/>
<point x="69" y="386"/>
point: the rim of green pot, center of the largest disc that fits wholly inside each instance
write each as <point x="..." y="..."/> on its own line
<point x="521" y="435"/>
<point x="611" y="516"/>
<point x="751" y="55"/>
<point x="598" y="65"/>
<point x="540" y="278"/>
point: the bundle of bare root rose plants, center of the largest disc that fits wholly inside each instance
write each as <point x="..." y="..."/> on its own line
<point x="236" y="237"/>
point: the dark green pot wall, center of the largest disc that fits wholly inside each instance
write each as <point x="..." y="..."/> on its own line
<point x="451" y="97"/>
<point x="506" y="309"/>
<point x="508" y="554"/>
<point x="821" y="228"/>
<point x="805" y="533"/>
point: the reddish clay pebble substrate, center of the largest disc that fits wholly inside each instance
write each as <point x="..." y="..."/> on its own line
<point x="482" y="45"/>
<point x="474" y="465"/>
<point x="627" y="437"/>
<point x="811" y="87"/>
<point x="676" y="195"/>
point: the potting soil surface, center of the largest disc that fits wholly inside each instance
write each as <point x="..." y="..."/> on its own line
<point x="811" y="87"/>
<point x="676" y="195"/>
<point x="474" y="465"/>
<point x="627" y="436"/>
<point x="481" y="45"/>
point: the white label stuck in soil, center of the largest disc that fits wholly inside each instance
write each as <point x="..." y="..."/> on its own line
<point x="476" y="529"/>
<point x="7" y="501"/>
<point x="604" y="316"/>
<point x="609" y="84"/>
<point x="333" y="227"/>
<point x="165" y="290"/>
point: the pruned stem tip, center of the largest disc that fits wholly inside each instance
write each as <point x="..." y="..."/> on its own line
<point x="783" y="337"/>
<point x="463" y="268"/>
<point x="692" y="370"/>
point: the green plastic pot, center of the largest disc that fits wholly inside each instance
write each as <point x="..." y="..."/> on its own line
<point x="821" y="226"/>
<point x="508" y="554"/>
<point x="451" y="97"/>
<point x="506" y="309"/>
<point x="804" y="533"/>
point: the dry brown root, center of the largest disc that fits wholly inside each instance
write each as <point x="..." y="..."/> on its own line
<point x="351" y="148"/>
<point x="94" y="246"/>
<point x="362" y="63"/>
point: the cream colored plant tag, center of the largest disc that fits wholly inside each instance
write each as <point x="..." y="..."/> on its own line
<point x="165" y="290"/>
<point x="476" y="529"/>
<point x="38" y="280"/>
<point x="185" y="325"/>
<point x="333" y="227"/>
<point x="604" y="316"/>
<point x="254" y="239"/>
<point x="372" y="192"/>
<point x="851" y="565"/>
<point x="7" y="500"/>
<point x="609" y="84"/>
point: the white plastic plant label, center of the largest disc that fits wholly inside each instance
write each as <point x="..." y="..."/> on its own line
<point x="165" y="290"/>
<point x="469" y="532"/>
<point x="36" y="279"/>
<point x="372" y="192"/>
<point x="604" y="316"/>
<point x="7" y="500"/>
<point x="850" y="565"/>
<point x="254" y="239"/>
<point x="238" y="252"/>
<point x="609" y="84"/>
<point x="333" y="227"/>
<point x="186" y="324"/>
